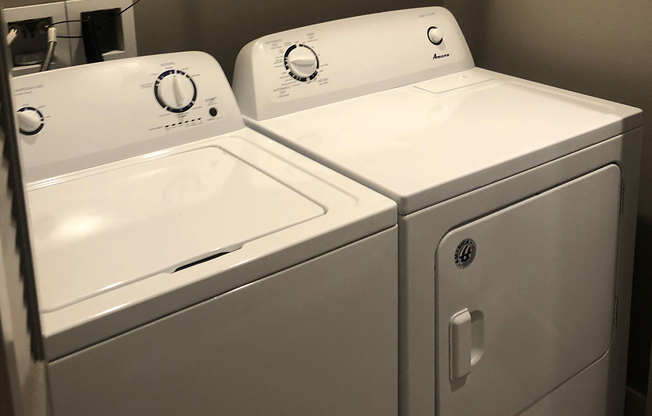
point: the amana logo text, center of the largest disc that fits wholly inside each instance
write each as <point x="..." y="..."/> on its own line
<point x="441" y="56"/>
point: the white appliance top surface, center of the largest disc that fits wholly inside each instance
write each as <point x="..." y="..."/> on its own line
<point x="430" y="141"/>
<point x="111" y="241"/>
<point x="152" y="216"/>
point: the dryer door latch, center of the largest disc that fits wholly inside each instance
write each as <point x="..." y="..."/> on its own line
<point x="466" y="342"/>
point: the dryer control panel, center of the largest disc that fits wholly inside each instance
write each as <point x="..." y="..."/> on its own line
<point x="80" y="117"/>
<point x="316" y="65"/>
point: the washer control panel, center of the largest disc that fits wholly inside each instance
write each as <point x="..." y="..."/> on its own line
<point x="93" y="114"/>
<point x="320" y="64"/>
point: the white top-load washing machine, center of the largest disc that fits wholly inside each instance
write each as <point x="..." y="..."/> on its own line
<point x="187" y="265"/>
<point x="517" y="206"/>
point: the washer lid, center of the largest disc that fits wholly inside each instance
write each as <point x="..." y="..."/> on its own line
<point x="431" y="141"/>
<point x="128" y="221"/>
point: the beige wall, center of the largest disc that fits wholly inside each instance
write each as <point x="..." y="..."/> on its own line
<point x="222" y="28"/>
<point x="17" y="3"/>
<point x="598" y="47"/>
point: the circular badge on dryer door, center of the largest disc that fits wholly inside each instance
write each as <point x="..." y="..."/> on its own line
<point x="465" y="253"/>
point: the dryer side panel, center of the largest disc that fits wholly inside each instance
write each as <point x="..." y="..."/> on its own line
<point x="526" y="296"/>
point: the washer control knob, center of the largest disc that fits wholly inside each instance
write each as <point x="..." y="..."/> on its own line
<point x="175" y="91"/>
<point x="302" y="62"/>
<point x="30" y="121"/>
<point x="435" y="35"/>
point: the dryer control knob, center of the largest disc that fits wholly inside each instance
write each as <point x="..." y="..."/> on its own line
<point x="30" y="121"/>
<point x="435" y="35"/>
<point x="302" y="62"/>
<point x="175" y="91"/>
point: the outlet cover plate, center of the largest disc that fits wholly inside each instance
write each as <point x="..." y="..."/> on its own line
<point x="76" y="7"/>
<point x="55" y="11"/>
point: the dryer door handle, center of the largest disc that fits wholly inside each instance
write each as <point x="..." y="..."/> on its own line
<point x="466" y="342"/>
<point x="460" y="344"/>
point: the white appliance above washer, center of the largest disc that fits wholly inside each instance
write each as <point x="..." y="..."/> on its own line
<point x="413" y="120"/>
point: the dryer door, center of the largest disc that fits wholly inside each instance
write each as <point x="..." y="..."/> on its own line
<point x="526" y="297"/>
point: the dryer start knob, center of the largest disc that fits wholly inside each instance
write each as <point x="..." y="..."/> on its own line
<point x="30" y="121"/>
<point x="435" y="35"/>
<point x="302" y="62"/>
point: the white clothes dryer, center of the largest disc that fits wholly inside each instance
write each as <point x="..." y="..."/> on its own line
<point x="517" y="206"/>
<point x="187" y="265"/>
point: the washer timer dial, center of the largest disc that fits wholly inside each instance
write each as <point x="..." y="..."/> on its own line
<point x="175" y="91"/>
<point x="302" y="62"/>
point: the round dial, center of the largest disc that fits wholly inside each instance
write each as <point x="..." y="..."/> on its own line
<point x="175" y="91"/>
<point x="435" y="35"/>
<point x="302" y="62"/>
<point x="30" y="121"/>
